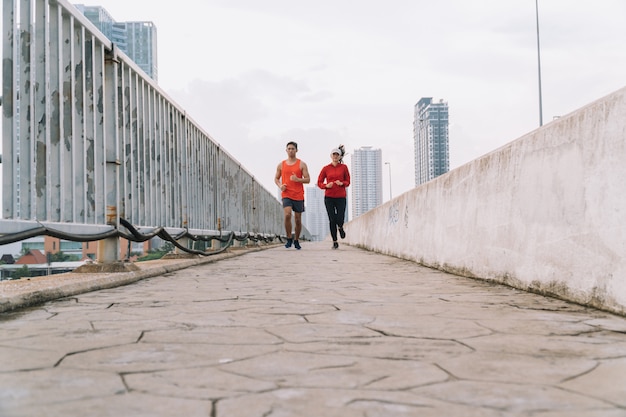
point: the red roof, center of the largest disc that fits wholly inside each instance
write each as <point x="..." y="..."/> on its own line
<point x="33" y="256"/>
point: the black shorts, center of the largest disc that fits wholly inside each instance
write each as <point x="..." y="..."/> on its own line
<point x="296" y="205"/>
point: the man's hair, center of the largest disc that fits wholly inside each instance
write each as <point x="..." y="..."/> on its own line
<point x="292" y="143"/>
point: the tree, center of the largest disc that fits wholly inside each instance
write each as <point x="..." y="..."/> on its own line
<point x="21" y="273"/>
<point x="63" y="257"/>
<point x="157" y="253"/>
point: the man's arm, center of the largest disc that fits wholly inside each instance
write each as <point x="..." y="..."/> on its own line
<point x="306" y="178"/>
<point x="277" y="177"/>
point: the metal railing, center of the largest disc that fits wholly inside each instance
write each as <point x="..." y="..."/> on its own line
<point x="90" y="143"/>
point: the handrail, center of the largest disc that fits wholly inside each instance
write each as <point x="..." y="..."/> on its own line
<point x="135" y="235"/>
<point x="89" y="139"/>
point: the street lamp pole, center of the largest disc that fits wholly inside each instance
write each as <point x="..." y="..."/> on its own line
<point x="389" y="163"/>
<point x="539" y="64"/>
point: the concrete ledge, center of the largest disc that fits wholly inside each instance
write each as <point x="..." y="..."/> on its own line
<point x="544" y="213"/>
<point x="96" y="268"/>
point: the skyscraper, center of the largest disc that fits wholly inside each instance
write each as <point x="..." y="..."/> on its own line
<point x="138" y="40"/>
<point x="314" y="217"/>
<point x="366" y="180"/>
<point x="141" y="46"/>
<point x="430" y="134"/>
<point x="99" y="17"/>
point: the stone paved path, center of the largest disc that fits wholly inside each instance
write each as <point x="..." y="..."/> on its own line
<point x="316" y="332"/>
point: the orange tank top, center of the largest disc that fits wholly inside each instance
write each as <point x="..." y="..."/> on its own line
<point x="294" y="190"/>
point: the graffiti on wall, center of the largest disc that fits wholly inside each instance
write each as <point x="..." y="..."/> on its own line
<point x="394" y="213"/>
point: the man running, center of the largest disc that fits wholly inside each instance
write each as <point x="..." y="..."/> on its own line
<point x="291" y="175"/>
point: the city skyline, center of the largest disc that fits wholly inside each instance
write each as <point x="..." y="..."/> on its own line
<point x="314" y="217"/>
<point x="431" y="139"/>
<point x="366" y="180"/>
<point x="137" y="39"/>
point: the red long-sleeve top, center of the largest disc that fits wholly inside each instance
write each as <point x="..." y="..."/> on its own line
<point x="331" y="173"/>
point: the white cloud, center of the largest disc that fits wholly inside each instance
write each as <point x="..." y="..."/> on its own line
<point x="255" y="74"/>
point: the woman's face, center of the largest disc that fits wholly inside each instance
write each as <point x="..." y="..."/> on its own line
<point x="335" y="157"/>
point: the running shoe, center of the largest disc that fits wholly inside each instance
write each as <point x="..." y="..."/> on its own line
<point x="296" y="245"/>
<point x="289" y="243"/>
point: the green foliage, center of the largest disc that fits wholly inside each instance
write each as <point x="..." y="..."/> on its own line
<point x="63" y="257"/>
<point x="22" y="272"/>
<point x="157" y="253"/>
<point x="150" y="256"/>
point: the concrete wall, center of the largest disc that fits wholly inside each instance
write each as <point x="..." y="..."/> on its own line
<point x="545" y="213"/>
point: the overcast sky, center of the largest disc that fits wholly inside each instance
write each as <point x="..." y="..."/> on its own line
<point x="256" y="74"/>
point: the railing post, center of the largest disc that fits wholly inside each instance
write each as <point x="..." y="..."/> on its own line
<point x="109" y="249"/>
<point x="185" y="241"/>
<point x="8" y="117"/>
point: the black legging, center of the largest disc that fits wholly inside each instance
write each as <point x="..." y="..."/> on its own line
<point x="336" y="209"/>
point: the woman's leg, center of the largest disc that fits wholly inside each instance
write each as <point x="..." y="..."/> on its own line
<point x="340" y="206"/>
<point x="332" y="217"/>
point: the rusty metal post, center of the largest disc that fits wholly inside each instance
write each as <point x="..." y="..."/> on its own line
<point x="109" y="249"/>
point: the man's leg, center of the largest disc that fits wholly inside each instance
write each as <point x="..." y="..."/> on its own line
<point x="298" y="217"/>
<point x="287" y="211"/>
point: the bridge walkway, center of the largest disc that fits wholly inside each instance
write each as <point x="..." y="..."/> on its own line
<point x="316" y="332"/>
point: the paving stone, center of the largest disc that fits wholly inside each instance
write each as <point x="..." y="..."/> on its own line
<point x="315" y="332"/>
<point x="512" y="399"/>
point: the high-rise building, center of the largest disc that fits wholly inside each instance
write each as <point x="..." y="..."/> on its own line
<point x="314" y="217"/>
<point x="100" y="18"/>
<point x="366" y="180"/>
<point x="138" y="40"/>
<point x="430" y="134"/>
<point x="141" y="46"/>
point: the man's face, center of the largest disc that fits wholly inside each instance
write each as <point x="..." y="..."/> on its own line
<point x="291" y="151"/>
